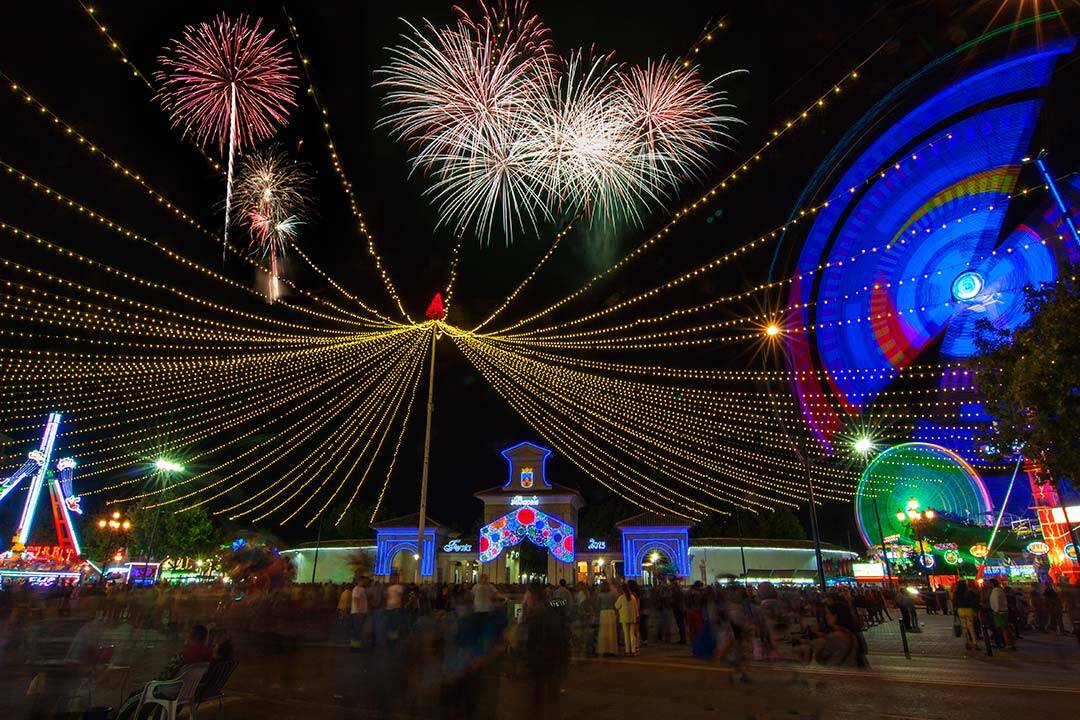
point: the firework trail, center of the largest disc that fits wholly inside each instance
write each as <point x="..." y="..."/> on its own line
<point x="226" y="83"/>
<point x="273" y="201"/>
<point x="509" y="131"/>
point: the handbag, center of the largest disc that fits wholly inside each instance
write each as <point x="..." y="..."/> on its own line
<point x="956" y="629"/>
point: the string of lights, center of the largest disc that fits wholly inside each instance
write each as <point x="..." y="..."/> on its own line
<point x="335" y="161"/>
<point x="365" y="416"/>
<point x="392" y="385"/>
<point x="559" y="404"/>
<point x="136" y="280"/>
<point x="387" y="422"/>
<point x="332" y="442"/>
<point x="124" y="396"/>
<point x="663" y="436"/>
<point x="393" y="459"/>
<point x="221" y="420"/>
<point x="592" y="461"/>
<point x="323" y="411"/>
<point x="104" y="221"/>
<point x="123" y="171"/>
<point x="881" y="173"/>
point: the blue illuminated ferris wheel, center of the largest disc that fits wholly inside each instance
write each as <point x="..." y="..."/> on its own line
<point x="913" y="242"/>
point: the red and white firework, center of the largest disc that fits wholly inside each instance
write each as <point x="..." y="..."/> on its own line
<point x="273" y="201"/>
<point x="227" y="83"/>
<point x="224" y="64"/>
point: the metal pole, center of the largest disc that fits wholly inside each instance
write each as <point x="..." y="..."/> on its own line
<point x="801" y="452"/>
<point x="149" y="555"/>
<point x="427" y="455"/>
<point x="814" y="523"/>
<point x="881" y="536"/>
<point x="742" y="549"/>
<point x="922" y="555"/>
<point x="318" y="542"/>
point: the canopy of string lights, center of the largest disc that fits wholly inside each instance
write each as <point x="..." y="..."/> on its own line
<point x="289" y="399"/>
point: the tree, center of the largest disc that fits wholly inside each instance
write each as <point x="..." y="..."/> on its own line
<point x="355" y="524"/>
<point x="780" y="524"/>
<point x="711" y="526"/>
<point x="177" y="534"/>
<point x="1030" y="378"/>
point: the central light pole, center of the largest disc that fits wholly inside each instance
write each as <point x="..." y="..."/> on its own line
<point x="427" y="453"/>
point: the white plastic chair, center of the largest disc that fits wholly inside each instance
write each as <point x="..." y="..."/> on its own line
<point x="171" y="695"/>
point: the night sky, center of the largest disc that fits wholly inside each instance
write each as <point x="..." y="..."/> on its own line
<point x="793" y="51"/>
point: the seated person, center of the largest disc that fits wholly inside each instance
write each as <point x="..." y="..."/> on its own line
<point x="195" y="650"/>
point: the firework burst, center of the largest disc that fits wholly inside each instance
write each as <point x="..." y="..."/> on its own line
<point x="273" y="201"/>
<point x="510" y="132"/>
<point x="227" y="83"/>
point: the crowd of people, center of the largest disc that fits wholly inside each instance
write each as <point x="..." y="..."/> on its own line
<point x="612" y="619"/>
<point x="443" y="641"/>
<point x="1000" y="614"/>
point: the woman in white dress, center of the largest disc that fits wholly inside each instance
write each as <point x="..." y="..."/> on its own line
<point x="607" y="642"/>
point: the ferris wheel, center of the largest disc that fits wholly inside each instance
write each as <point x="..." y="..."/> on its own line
<point x="915" y="239"/>
<point x="910" y="248"/>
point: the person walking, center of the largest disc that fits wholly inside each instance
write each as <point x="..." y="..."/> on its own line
<point x="607" y="632"/>
<point x="643" y="601"/>
<point x="966" y="604"/>
<point x="999" y="606"/>
<point x="546" y="652"/>
<point x="1055" y="622"/>
<point x="358" y="614"/>
<point x="843" y="644"/>
<point x="627" y="610"/>
<point x="678" y="609"/>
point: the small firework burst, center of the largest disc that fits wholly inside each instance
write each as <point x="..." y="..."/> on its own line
<point x="273" y="201"/>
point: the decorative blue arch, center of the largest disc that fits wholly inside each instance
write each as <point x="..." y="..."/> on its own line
<point x="390" y="541"/>
<point x="639" y="541"/>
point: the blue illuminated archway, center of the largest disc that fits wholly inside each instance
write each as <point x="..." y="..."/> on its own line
<point x="390" y="541"/>
<point x="638" y="542"/>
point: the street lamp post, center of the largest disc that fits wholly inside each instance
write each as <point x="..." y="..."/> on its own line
<point x="116" y="525"/>
<point x="164" y="468"/>
<point x="915" y="517"/>
<point x="773" y="332"/>
<point x="864" y="445"/>
<point x="881" y="535"/>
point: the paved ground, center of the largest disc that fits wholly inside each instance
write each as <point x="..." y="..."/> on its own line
<point x="284" y="679"/>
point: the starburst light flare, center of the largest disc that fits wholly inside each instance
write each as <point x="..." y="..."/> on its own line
<point x="227" y="83"/>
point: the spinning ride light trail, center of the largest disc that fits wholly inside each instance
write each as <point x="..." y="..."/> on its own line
<point x="61" y="494"/>
<point x="921" y="213"/>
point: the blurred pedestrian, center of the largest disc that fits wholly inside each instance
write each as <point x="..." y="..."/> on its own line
<point x="626" y="607"/>
<point x="547" y="653"/>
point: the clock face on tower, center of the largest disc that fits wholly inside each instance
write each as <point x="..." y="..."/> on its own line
<point x="526" y="477"/>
